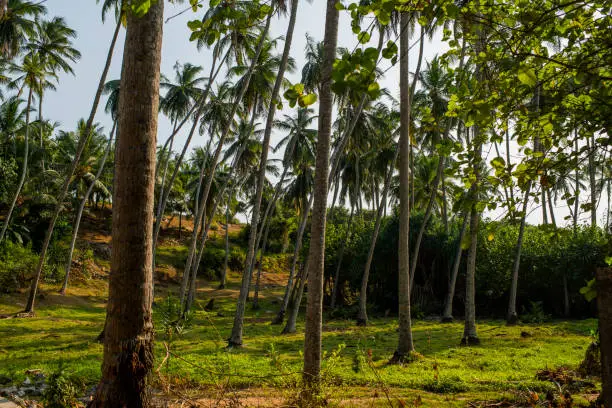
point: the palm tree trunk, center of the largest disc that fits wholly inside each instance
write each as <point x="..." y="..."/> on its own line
<point x="405" y="344"/>
<point x="215" y="161"/>
<point x="509" y="170"/>
<point x="236" y="337"/>
<point x="259" y="266"/>
<point x="512" y="317"/>
<point x="77" y="221"/>
<point x="128" y="342"/>
<point x="201" y="105"/>
<point x="362" y="316"/>
<point x="41" y="130"/>
<point x="75" y="162"/>
<point x="447" y="315"/>
<point x="296" y="300"/>
<point x="577" y="185"/>
<point x="340" y="256"/>
<point x="225" y="262"/>
<point x="551" y="208"/>
<point x="296" y="253"/>
<point x="592" y="180"/>
<point x="24" y="168"/>
<point x="316" y="253"/>
<point x="604" y="307"/>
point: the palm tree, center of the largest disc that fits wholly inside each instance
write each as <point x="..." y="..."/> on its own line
<point x="30" y="72"/>
<point x="53" y="44"/>
<point x="111" y="107"/>
<point x="129" y="312"/>
<point x="405" y="345"/>
<point x="64" y="189"/>
<point x="316" y="254"/>
<point x="18" y="24"/>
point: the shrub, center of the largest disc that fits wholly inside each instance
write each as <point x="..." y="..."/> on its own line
<point x="212" y="262"/>
<point x="237" y="258"/>
<point x="61" y="391"/>
<point x="17" y="263"/>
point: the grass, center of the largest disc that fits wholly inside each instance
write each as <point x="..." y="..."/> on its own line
<point x="355" y="365"/>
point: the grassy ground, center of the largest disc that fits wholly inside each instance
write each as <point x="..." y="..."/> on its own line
<point x="355" y="366"/>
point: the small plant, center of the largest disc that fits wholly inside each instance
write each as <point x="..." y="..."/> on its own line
<point x="61" y="391"/>
<point x="535" y="313"/>
<point x="172" y="319"/>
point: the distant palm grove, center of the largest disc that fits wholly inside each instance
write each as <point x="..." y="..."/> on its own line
<point x="419" y="231"/>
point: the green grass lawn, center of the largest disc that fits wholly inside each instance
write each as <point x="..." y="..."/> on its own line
<point x="355" y="366"/>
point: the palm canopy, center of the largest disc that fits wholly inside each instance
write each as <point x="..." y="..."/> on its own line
<point x="53" y="44"/>
<point x="111" y="88"/>
<point x="18" y="24"/>
<point x="182" y="94"/>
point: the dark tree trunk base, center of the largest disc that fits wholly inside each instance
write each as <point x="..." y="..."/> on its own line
<point x="280" y="317"/>
<point x="100" y="338"/>
<point x="25" y="314"/>
<point x="361" y="322"/>
<point x="233" y="344"/>
<point x="512" y="320"/>
<point x="400" y="358"/>
<point x="221" y="286"/>
<point x="470" y="341"/>
<point x="288" y="330"/>
<point x="255" y="306"/>
<point x="447" y="319"/>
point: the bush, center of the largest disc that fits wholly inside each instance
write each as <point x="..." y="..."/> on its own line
<point x="17" y="263"/>
<point x="212" y="262"/>
<point x="61" y="391"/>
<point x="237" y="259"/>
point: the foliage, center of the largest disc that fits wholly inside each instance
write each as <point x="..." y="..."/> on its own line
<point x="61" y="391"/>
<point x="16" y="265"/>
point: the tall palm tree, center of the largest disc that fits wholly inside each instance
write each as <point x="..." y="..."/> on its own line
<point x="316" y="253"/>
<point x="29" y="75"/>
<point x="128" y="348"/>
<point x="53" y="44"/>
<point x="18" y="24"/>
<point x="64" y="189"/>
<point x="405" y="344"/>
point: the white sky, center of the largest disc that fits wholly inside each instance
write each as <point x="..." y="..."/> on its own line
<point x="73" y="97"/>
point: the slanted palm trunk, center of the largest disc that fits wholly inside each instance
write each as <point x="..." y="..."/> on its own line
<point x="405" y="344"/>
<point x="236" y="337"/>
<point x="75" y="162"/>
<point x="340" y="256"/>
<point x="211" y="172"/>
<point x="592" y="180"/>
<point x="226" y="261"/>
<point x="512" y="317"/>
<point x="24" y="168"/>
<point x="293" y="308"/>
<point x="447" y="315"/>
<point x="128" y="342"/>
<point x="259" y="267"/>
<point x="316" y="253"/>
<point x="77" y="221"/>
<point x="362" y="316"/>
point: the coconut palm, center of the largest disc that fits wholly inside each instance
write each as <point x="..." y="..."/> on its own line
<point x="18" y="25"/>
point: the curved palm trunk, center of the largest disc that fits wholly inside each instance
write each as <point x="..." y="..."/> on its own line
<point x="426" y="218"/>
<point x="470" y="335"/>
<point x="75" y="162"/>
<point x="512" y="317"/>
<point x="211" y="172"/>
<point x="293" y="308"/>
<point x="405" y="344"/>
<point x="296" y="253"/>
<point x="340" y="256"/>
<point x="236" y="337"/>
<point x="447" y="315"/>
<point x="24" y="168"/>
<point x="316" y="253"/>
<point x="225" y="262"/>
<point x="259" y="266"/>
<point x="77" y="221"/>
<point x="362" y="316"/>
<point x="128" y="337"/>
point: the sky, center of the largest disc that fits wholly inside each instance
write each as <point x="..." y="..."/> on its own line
<point x="72" y="99"/>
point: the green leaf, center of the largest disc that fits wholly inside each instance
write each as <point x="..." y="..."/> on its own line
<point x="527" y="76"/>
<point x="308" y="100"/>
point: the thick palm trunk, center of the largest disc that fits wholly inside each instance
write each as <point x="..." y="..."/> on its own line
<point x="24" y="168"/>
<point x="236" y="337"/>
<point x="215" y="161"/>
<point x="340" y="256"/>
<point x="604" y="307"/>
<point x="405" y="344"/>
<point x="512" y="317"/>
<point x="75" y="162"/>
<point x="128" y="342"/>
<point x="77" y="220"/>
<point x="316" y="253"/>
<point x="447" y="315"/>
